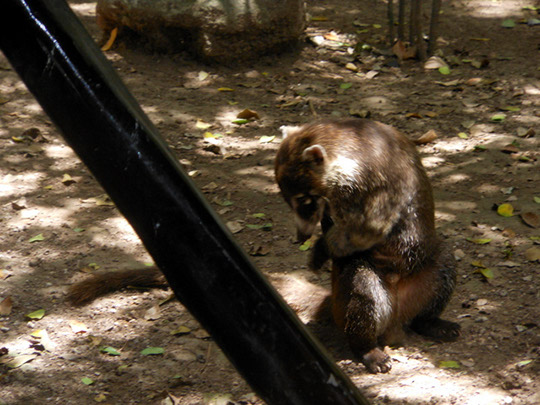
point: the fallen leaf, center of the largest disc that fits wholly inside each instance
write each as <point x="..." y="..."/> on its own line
<point x="18" y="361"/>
<point x="531" y="219"/>
<point x="240" y="121"/>
<point x="505" y="210"/>
<point x="259" y="215"/>
<point x="6" y="305"/>
<point x="536" y="199"/>
<point x="111" y="351"/>
<point x="533" y="254"/>
<point x="36" y="315"/>
<point x="265" y="227"/>
<point x="509" y="23"/>
<point x="18" y="205"/>
<point x="150" y="351"/>
<point x="87" y="381"/>
<point x="479" y="241"/>
<point x="225" y="89"/>
<point x="259" y="250"/>
<point x="202" y="125"/>
<point x="498" y="117"/>
<point x="449" y="364"/>
<point x="182" y="330"/>
<point x="235" y="226"/>
<point x="306" y="245"/>
<point x="510" y="148"/>
<point x="37" y="238"/>
<point x="435" y="62"/>
<point x="95" y="340"/>
<point x="67" y="180"/>
<point x="345" y="86"/>
<point x="248" y="114"/>
<point x="202" y="76"/>
<point x="78" y="327"/>
<point x="319" y="18"/>
<point x="428" y="137"/>
<point x="266" y="138"/>
<point x="152" y="313"/>
<point x="44" y="339"/>
<point x="101" y="397"/>
<point x="463" y="135"/>
<point x="112" y="37"/>
<point x="487" y="273"/>
<point x="478" y="264"/>
<point x="445" y="70"/>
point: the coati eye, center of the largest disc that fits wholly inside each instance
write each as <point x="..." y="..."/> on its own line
<point x="306" y="205"/>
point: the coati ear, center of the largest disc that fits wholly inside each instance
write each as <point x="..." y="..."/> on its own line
<point x="315" y="154"/>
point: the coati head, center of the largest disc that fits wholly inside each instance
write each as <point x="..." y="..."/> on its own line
<point x="299" y="169"/>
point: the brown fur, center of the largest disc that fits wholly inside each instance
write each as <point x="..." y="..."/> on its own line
<point x="366" y="185"/>
<point x="103" y="283"/>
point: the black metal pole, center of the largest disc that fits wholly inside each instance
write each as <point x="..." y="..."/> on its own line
<point x="208" y="271"/>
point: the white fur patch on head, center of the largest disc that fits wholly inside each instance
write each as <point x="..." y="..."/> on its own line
<point x="287" y="130"/>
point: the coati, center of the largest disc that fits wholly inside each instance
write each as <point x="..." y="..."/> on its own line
<point x="364" y="182"/>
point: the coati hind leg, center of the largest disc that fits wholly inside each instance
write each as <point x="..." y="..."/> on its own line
<point x="439" y="283"/>
<point x="362" y="307"/>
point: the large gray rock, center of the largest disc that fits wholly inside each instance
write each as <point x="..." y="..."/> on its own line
<point x="222" y="30"/>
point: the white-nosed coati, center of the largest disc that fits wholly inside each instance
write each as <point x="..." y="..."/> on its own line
<point x="364" y="182"/>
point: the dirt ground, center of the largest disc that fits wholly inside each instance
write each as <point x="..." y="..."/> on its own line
<point x="476" y="163"/>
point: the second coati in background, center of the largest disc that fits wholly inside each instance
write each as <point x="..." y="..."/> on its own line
<point x="364" y="182"/>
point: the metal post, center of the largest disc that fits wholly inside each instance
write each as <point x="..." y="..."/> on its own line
<point x="208" y="271"/>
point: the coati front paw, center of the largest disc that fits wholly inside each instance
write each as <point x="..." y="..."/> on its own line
<point x="437" y="329"/>
<point x="377" y="361"/>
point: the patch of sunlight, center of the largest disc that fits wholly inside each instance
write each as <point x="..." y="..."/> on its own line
<point x="456" y="178"/>
<point x="58" y="151"/>
<point x="18" y="184"/>
<point x="445" y="216"/>
<point x="430" y="162"/>
<point x="458" y="206"/>
<point x="45" y="216"/>
<point x="493" y="8"/>
<point x="440" y="386"/>
<point x="86" y="9"/>
<point x="451" y="145"/>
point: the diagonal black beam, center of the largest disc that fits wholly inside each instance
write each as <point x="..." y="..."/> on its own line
<point x="207" y="270"/>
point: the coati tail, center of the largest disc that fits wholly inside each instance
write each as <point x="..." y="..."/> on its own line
<point x="103" y="283"/>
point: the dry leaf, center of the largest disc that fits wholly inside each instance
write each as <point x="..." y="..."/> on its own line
<point x="248" y="114"/>
<point x="531" y="219"/>
<point x="235" y="226"/>
<point x="67" y="180"/>
<point x="435" y="62"/>
<point x="510" y="149"/>
<point x="259" y="250"/>
<point x="6" y="305"/>
<point x="428" y="137"/>
<point x="533" y="254"/>
<point x="78" y="327"/>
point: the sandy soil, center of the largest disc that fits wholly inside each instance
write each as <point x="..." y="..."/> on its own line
<point x="494" y="70"/>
